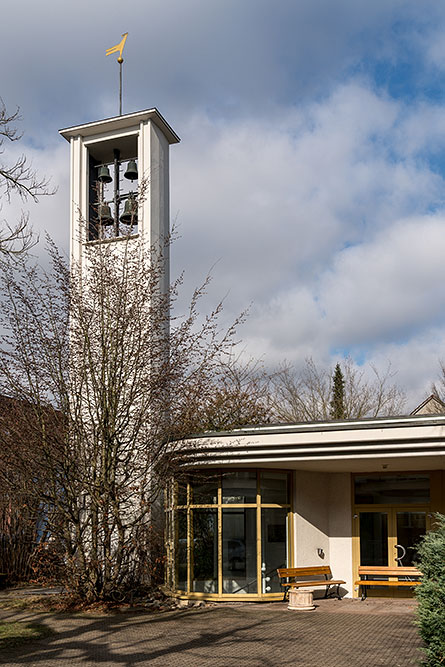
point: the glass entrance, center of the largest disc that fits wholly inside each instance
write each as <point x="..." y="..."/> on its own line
<point x="410" y="526"/>
<point x="390" y="537"/>
<point x="391" y="514"/>
<point x="373" y="538"/>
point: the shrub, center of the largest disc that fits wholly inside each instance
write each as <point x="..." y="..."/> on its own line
<point x="431" y="593"/>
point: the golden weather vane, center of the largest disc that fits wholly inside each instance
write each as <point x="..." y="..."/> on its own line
<point x="118" y="49"/>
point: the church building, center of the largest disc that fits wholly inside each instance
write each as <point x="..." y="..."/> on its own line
<point x="340" y="493"/>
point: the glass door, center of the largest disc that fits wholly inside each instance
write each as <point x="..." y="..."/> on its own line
<point x="409" y="528"/>
<point x="374" y="548"/>
<point x="388" y="537"/>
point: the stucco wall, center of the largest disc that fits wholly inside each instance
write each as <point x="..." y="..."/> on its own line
<point x="311" y="518"/>
<point x="322" y="519"/>
<point x="340" y="542"/>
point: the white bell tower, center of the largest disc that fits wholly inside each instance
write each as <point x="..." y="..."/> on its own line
<point x="120" y="181"/>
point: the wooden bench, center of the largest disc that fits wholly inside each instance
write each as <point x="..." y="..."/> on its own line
<point x="292" y="577"/>
<point x="371" y="576"/>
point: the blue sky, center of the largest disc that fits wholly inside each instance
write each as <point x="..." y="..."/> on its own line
<point x="311" y="169"/>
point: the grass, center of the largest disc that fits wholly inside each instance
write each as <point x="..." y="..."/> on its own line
<point x="68" y="602"/>
<point x="16" y="633"/>
<point x="63" y="603"/>
<point x="49" y="603"/>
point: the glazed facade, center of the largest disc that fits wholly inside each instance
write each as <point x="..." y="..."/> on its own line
<point x="339" y="494"/>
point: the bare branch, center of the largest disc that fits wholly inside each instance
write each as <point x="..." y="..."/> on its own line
<point x="21" y="179"/>
<point x="107" y="397"/>
<point x="18" y="177"/>
<point x="306" y="396"/>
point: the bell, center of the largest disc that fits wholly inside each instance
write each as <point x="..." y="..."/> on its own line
<point x="104" y="214"/>
<point x="104" y="174"/>
<point x="130" y="214"/>
<point x="132" y="171"/>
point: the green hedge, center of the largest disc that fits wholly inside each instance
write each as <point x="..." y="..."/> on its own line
<point x="431" y="593"/>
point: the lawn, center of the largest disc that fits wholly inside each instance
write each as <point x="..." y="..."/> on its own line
<point x="15" y="633"/>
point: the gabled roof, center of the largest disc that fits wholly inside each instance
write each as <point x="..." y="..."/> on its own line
<point x="430" y="406"/>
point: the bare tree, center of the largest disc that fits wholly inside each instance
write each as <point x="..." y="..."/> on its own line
<point x="438" y="387"/>
<point x="307" y="396"/>
<point x="17" y="178"/>
<point x="110" y="397"/>
<point x="240" y="396"/>
<point x="23" y="531"/>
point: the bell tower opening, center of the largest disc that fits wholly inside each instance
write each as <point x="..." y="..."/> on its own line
<point x="120" y="181"/>
<point x="113" y="190"/>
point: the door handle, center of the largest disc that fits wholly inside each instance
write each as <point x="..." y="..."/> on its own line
<point x="400" y="558"/>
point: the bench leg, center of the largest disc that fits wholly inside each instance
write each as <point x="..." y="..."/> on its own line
<point x="363" y="593"/>
<point x="330" y="593"/>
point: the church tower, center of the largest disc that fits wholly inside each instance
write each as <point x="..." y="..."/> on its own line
<point x="120" y="182"/>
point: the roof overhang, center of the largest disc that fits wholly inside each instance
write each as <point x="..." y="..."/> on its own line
<point x="118" y="123"/>
<point x="405" y="443"/>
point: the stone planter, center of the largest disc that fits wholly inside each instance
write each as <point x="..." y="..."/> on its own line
<point x="301" y="599"/>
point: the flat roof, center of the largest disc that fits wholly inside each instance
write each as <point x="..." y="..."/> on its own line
<point x="375" y="444"/>
<point x="364" y="423"/>
<point x="121" y="123"/>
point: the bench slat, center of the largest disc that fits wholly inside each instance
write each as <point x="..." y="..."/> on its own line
<point x="376" y="582"/>
<point x="389" y="571"/>
<point x="304" y="571"/>
<point x="319" y="582"/>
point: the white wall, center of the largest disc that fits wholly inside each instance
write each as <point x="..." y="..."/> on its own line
<point x="340" y="527"/>
<point x="322" y="519"/>
<point x="311" y="518"/>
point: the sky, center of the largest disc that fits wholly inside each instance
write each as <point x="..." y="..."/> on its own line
<point x="310" y="177"/>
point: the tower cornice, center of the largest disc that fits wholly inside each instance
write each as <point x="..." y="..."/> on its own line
<point x="121" y="123"/>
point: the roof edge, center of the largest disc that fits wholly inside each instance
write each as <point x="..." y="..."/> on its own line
<point x="118" y="122"/>
<point x="337" y="425"/>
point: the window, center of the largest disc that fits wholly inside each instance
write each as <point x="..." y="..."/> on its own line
<point x="231" y="530"/>
<point x="392" y="489"/>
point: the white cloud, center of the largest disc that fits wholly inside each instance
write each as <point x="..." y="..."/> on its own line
<point x="389" y="287"/>
<point x="318" y="215"/>
<point x="309" y="186"/>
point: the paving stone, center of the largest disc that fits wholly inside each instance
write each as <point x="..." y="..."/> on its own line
<point x="337" y="634"/>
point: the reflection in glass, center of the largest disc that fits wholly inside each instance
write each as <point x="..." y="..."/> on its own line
<point x="392" y="489"/>
<point x="170" y="546"/>
<point x="273" y="547"/>
<point x="274" y="487"/>
<point x="205" y="551"/>
<point x="205" y="488"/>
<point x="373" y="538"/>
<point x="239" y="487"/>
<point x="227" y="558"/>
<point x="239" y="560"/>
<point x="181" y="550"/>
<point x="182" y="492"/>
<point x="411" y="526"/>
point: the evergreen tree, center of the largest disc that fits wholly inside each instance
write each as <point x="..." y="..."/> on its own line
<point x="431" y="593"/>
<point x="305" y="394"/>
<point x="337" y="404"/>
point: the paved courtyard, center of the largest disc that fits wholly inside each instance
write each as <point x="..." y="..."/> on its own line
<point x="338" y="634"/>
